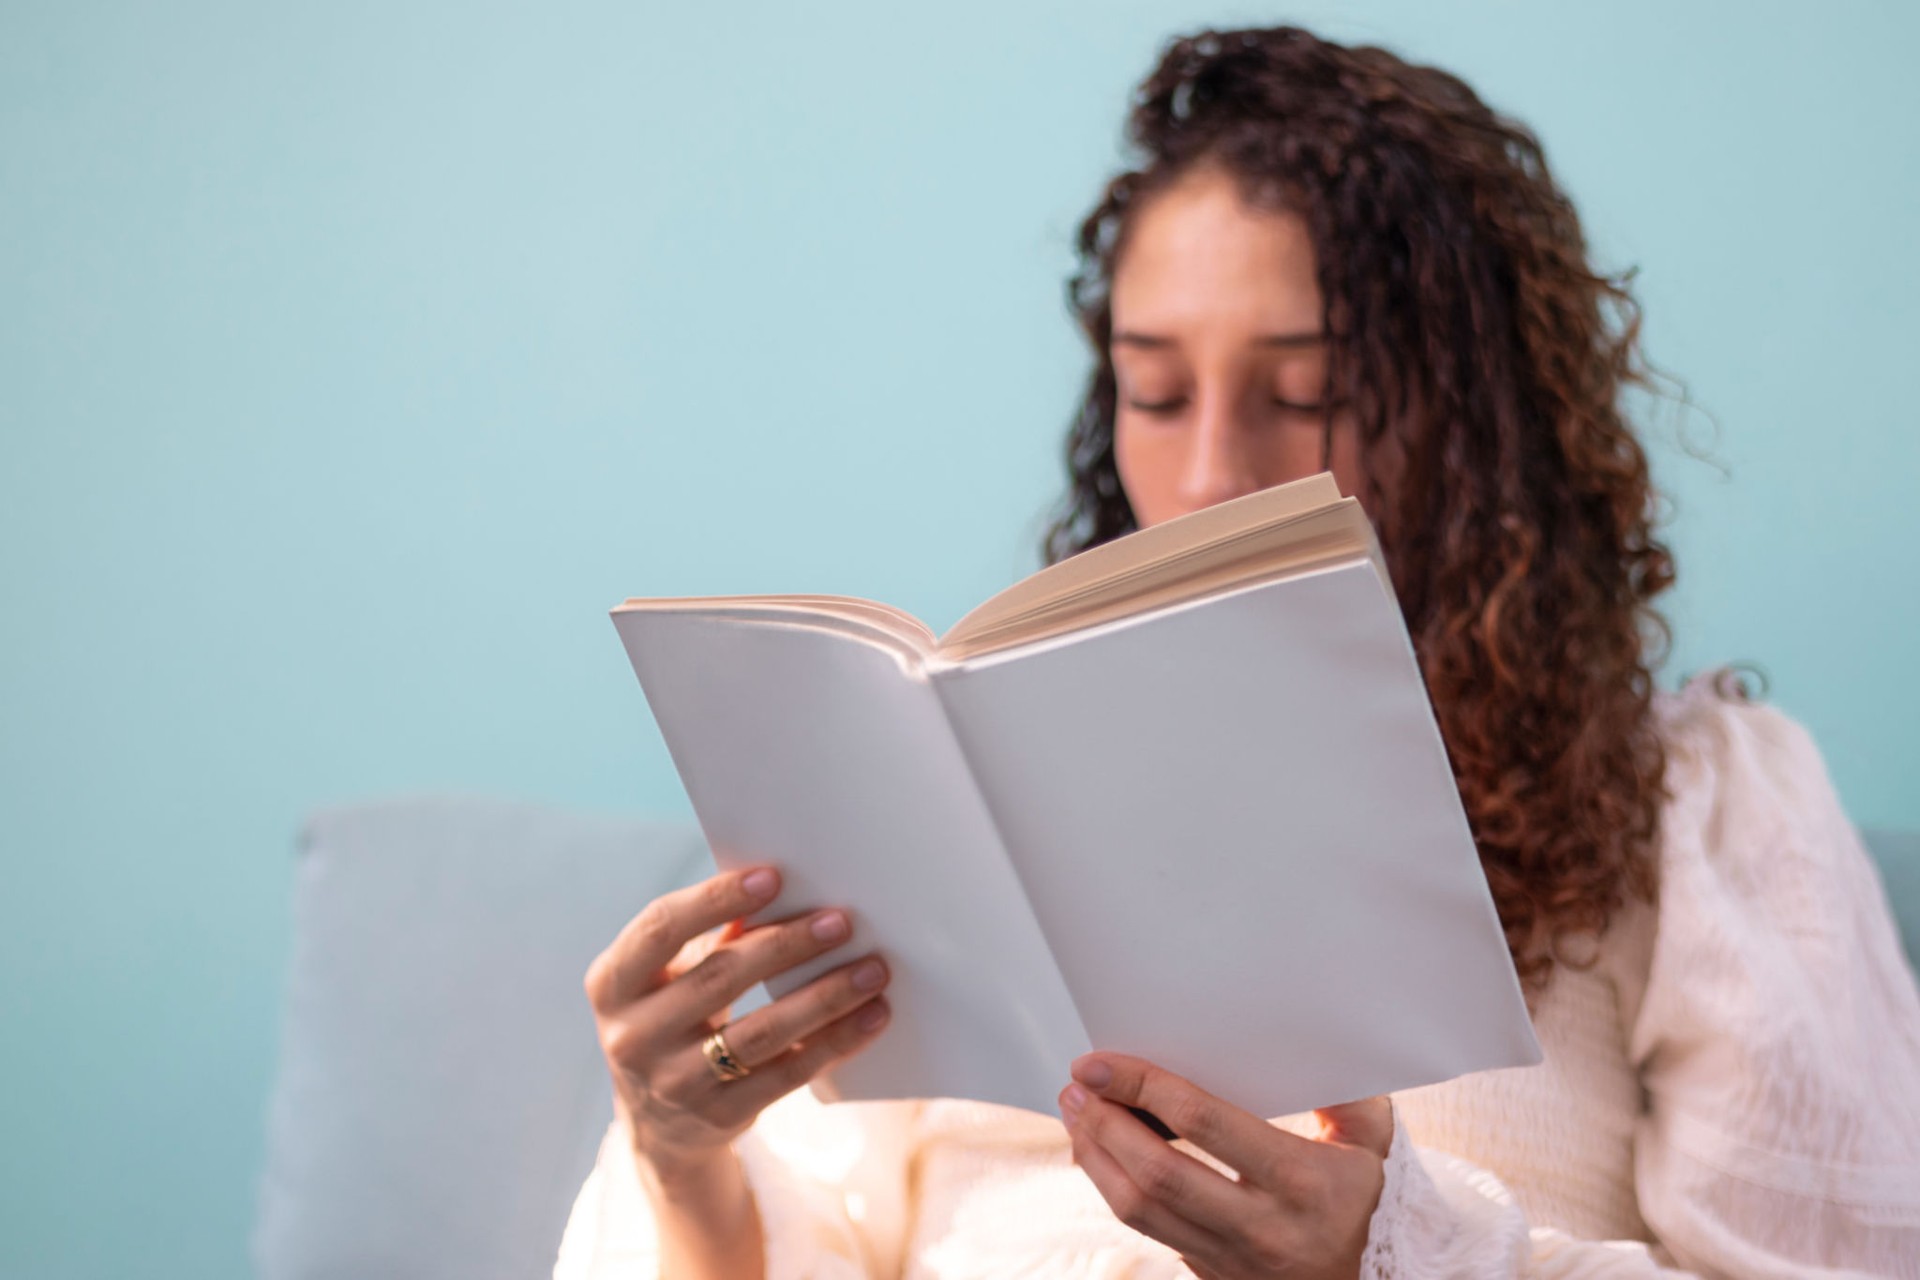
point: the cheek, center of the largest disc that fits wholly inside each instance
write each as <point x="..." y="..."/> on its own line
<point x="1146" y="470"/>
<point x="1287" y="451"/>
<point x="1349" y="472"/>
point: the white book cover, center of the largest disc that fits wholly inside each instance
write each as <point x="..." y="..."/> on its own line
<point x="1221" y="835"/>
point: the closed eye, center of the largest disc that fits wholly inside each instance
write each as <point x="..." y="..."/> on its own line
<point x="1166" y="408"/>
<point x="1158" y="407"/>
<point x="1162" y="407"/>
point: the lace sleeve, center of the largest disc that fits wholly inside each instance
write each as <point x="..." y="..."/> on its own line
<point x="1443" y="1218"/>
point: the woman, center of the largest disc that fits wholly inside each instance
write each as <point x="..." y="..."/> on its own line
<point x="1329" y="259"/>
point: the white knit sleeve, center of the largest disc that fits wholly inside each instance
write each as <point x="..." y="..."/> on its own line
<point x="829" y="1184"/>
<point x="1444" y="1218"/>
<point x="1777" y="1038"/>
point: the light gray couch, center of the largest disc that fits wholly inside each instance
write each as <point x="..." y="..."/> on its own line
<point x="440" y="1091"/>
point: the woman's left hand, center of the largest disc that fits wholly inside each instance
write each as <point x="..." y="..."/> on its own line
<point x="1300" y="1209"/>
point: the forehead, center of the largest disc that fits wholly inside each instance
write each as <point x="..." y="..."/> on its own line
<point x="1197" y="255"/>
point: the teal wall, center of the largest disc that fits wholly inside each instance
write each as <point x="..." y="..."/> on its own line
<point x="355" y="358"/>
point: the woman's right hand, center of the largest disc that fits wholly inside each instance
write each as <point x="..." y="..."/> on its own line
<point x="666" y="983"/>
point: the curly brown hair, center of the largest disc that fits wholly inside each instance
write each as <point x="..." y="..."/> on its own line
<point x="1476" y="347"/>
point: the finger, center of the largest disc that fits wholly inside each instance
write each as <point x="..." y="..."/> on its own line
<point x="1367" y="1123"/>
<point x="631" y="965"/>
<point x="772" y="1029"/>
<point x="1260" y="1153"/>
<point x="739" y="1101"/>
<point x="702" y="946"/>
<point x="726" y="972"/>
<point x="1135" y="1207"/>
<point x="1162" y="1172"/>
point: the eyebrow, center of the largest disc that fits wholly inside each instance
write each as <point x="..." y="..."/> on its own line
<point x="1160" y="342"/>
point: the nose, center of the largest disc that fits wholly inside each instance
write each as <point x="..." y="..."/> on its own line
<point x="1219" y="465"/>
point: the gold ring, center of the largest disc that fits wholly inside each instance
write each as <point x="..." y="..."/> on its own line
<point x="721" y="1060"/>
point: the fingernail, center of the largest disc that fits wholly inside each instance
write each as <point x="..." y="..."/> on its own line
<point x="869" y="976"/>
<point x="1072" y="1100"/>
<point x="1095" y="1074"/>
<point x="871" y="1016"/>
<point x="829" y="926"/>
<point x="760" y="883"/>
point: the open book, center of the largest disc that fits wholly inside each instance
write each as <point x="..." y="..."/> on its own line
<point x="1180" y="796"/>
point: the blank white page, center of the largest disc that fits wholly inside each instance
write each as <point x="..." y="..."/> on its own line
<point x="1237" y="826"/>
<point x="831" y="757"/>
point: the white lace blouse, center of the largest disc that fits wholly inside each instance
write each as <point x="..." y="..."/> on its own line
<point x="1732" y="1090"/>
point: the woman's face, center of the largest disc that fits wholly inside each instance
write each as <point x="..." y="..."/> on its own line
<point x="1217" y="352"/>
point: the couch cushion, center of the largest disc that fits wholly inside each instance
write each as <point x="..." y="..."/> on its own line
<point x="1898" y="853"/>
<point x="440" y="1091"/>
